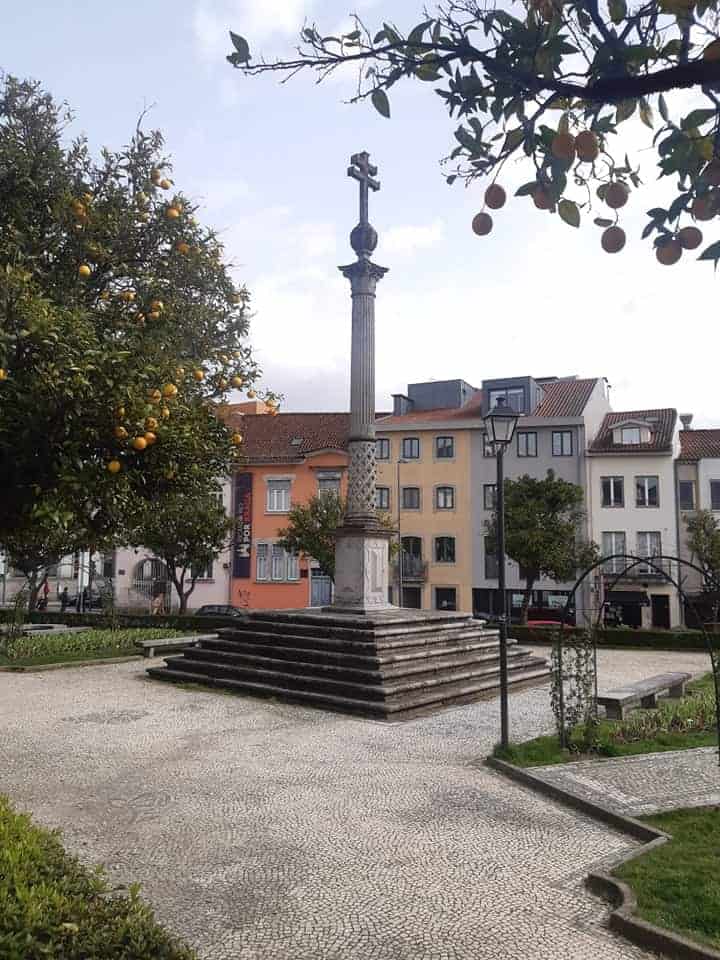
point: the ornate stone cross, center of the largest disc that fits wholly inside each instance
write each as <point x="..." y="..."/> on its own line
<point x="362" y="170"/>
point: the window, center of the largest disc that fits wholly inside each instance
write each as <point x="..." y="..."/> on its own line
<point x="562" y="445"/>
<point x="647" y="492"/>
<point x="444" y="549"/>
<point x="488" y="446"/>
<point x="382" y="449"/>
<point x="411" y="498"/>
<point x="445" y="598"/>
<point x="278" y="496"/>
<point x="686" y="494"/>
<point x="613" y="542"/>
<point x="491" y="565"/>
<point x="648" y="545"/>
<point x="444" y="448"/>
<point x="513" y="396"/>
<point x="293" y="566"/>
<point x="613" y="491"/>
<point x="261" y="561"/>
<point x="277" y="555"/>
<point x="202" y="573"/>
<point x="445" y="498"/>
<point x="329" y="483"/>
<point x="715" y="494"/>
<point x="526" y="444"/>
<point x="630" y="435"/>
<point x="411" y="448"/>
<point x="382" y="498"/>
<point x="489" y="495"/>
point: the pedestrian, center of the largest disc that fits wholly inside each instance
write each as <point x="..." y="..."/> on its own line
<point x="158" y="598"/>
<point x="64" y="599"/>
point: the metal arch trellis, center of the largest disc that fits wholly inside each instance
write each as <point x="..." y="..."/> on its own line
<point x="632" y="561"/>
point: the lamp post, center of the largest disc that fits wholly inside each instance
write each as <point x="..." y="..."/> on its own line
<point x="400" y="549"/>
<point x="500" y="423"/>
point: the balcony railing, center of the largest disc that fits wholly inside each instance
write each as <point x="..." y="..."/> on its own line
<point x="412" y="569"/>
<point x="639" y="572"/>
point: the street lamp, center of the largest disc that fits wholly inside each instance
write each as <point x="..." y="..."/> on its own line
<point x="500" y="423"/>
<point x="400" y="549"/>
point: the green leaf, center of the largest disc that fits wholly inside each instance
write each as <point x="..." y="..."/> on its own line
<point x="241" y="46"/>
<point x="526" y="189"/>
<point x="697" y="118"/>
<point x="646" y="113"/>
<point x="625" y="109"/>
<point x="416" y="34"/>
<point x="381" y="102"/>
<point x="513" y="139"/>
<point x="354" y="35"/>
<point x="618" y="10"/>
<point x="569" y="212"/>
<point x="602" y="222"/>
<point x="711" y="253"/>
<point x="427" y="71"/>
<point x="662" y="107"/>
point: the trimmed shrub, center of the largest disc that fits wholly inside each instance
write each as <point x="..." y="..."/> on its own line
<point x="620" y="637"/>
<point x="85" y="643"/>
<point x="52" y="906"/>
<point x="103" y="620"/>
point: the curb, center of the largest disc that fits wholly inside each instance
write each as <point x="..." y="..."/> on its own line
<point x="38" y="667"/>
<point x="622" y="919"/>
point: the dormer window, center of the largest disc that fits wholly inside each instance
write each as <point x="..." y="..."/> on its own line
<point x="630" y="435"/>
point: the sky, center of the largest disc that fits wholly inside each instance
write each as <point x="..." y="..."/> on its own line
<point x="268" y="163"/>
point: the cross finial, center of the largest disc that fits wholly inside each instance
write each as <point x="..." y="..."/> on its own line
<point x="362" y="170"/>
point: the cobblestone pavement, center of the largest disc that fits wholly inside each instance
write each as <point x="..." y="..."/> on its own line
<point x="646" y="784"/>
<point x="264" y="831"/>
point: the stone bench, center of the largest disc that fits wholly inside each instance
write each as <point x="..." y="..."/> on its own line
<point x="642" y="694"/>
<point x="148" y="647"/>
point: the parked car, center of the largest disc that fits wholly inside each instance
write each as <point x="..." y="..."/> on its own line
<point x="92" y="601"/>
<point x="219" y="610"/>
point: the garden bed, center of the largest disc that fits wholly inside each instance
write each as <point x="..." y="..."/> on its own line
<point x="36" y="649"/>
<point x="52" y="906"/>
<point x="674" y="725"/>
<point x="621" y="638"/>
<point x="676" y="884"/>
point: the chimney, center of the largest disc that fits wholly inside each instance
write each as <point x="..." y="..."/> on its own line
<point x="686" y="420"/>
<point x="401" y="404"/>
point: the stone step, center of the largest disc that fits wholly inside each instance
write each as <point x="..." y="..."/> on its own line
<point x="348" y="653"/>
<point x="328" y="628"/>
<point x="398" y="708"/>
<point x="366" y="672"/>
<point x="379" y="688"/>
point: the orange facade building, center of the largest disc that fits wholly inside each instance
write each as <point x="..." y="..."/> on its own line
<point x="290" y="458"/>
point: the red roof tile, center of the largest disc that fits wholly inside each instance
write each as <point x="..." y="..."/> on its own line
<point x="661" y="421"/>
<point x="290" y="437"/>
<point x="472" y="409"/>
<point x="565" y="398"/>
<point x="696" y="444"/>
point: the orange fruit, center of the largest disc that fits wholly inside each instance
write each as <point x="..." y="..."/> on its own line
<point x="164" y="412"/>
<point x="128" y="296"/>
<point x="616" y="195"/>
<point x="613" y="239"/>
<point x="151" y="423"/>
<point x="157" y="305"/>
<point x="140" y="317"/>
<point x="182" y="247"/>
<point x="704" y="207"/>
<point x="669" y="253"/>
<point x="169" y="390"/>
<point x="172" y="213"/>
<point x="236" y="439"/>
<point x="712" y="51"/>
<point x="154" y="396"/>
<point x="563" y="147"/>
<point x="587" y="146"/>
<point x="164" y="184"/>
<point x="155" y="174"/>
<point x="88" y="197"/>
<point x="114" y="466"/>
<point x="495" y="196"/>
<point x="482" y="224"/>
<point x="141" y="197"/>
<point x="237" y="382"/>
<point x="120" y="432"/>
<point x="251" y="394"/>
<point x="199" y="375"/>
<point x="222" y="383"/>
<point x="120" y="411"/>
<point x="180" y="373"/>
<point x="78" y="208"/>
<point x="690" y="238"/>
<point x="236" y="298"/>
<point x="149" y="438"/>
<point x="84" y="270"/>
<point x="139" y="443"/>
<point x="153" y="315"/>
<point x="273" y="411"/>
<point x="3" y="374"/>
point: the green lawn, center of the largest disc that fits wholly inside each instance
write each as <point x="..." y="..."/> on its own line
<point x="629" y="737"/>
<point x="39" y="648"/>
<point x="678" y="884"/>
<point x="53" y="906"/>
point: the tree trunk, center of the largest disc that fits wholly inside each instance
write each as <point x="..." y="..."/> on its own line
<point x="529" y="584"/>
<point x="33" y="591"/>
<point x="186" y="595"/>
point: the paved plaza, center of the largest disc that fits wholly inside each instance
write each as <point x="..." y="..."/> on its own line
<point x="264" y="831"/>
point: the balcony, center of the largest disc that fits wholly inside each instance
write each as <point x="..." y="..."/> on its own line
<point x="640" y="572"/>
<point x="413" y="570"/>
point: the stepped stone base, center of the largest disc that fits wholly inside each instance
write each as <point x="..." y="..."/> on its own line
<point x="389" y="665"/>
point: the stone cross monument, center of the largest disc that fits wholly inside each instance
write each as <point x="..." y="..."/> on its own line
<point x="361" y="548"/>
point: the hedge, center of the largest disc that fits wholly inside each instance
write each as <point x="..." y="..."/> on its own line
<point x="53" y="906"/>
<point x="46" y="644"/>
<point x="103" y="620"/>
<point x="624" y="637"/>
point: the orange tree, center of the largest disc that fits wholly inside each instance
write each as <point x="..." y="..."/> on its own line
<point x="553" y="81"/>
<point x="121" y="329"/>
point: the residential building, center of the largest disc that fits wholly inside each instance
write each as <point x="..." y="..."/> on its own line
<point x="558" y="417"/>
<point x="288" y="459"/>
<point x="632" y="502"/>
<point x="423" y="457"/>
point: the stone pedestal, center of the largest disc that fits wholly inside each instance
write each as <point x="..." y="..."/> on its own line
<point x="361" y="563"/>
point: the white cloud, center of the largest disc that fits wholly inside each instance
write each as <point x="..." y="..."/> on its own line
<point x="407" y="239"/>
<point x="256" y="20"/>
